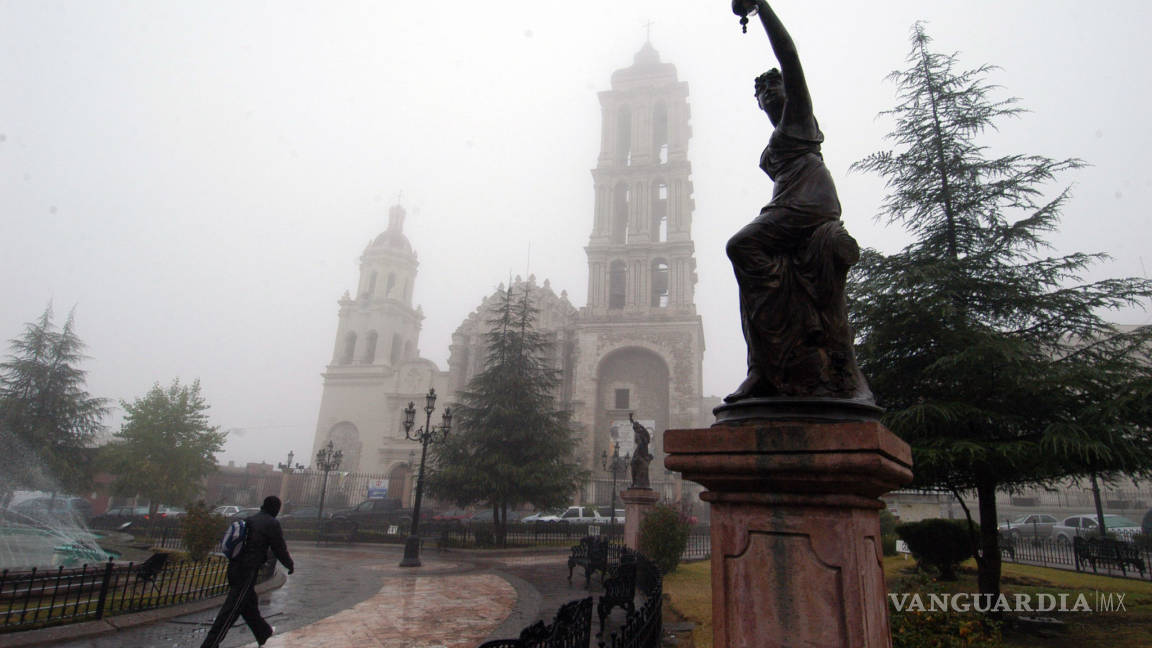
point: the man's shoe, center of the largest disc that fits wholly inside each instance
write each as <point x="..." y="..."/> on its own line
<point x="269" y="635"/>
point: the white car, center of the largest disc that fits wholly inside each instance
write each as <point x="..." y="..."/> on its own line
<point x="1085" y="525"/>
<point x="581" y="515"/>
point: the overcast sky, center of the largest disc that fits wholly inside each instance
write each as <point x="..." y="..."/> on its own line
<point x="198" y="179"/>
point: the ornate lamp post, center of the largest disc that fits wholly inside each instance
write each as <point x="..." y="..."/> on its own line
<point x="287" y="469"/>
<point x="327" y="459"/>
<point x="424" y="435"/>
<point x="615" y="463"/>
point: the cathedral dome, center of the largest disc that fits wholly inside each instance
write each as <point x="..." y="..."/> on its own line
<point x="393" y="237"/>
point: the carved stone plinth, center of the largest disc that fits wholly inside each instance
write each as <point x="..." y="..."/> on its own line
<point x="796" y="556"/>
<point x="637" y="503"/>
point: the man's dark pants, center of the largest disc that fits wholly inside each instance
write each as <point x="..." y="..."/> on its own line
<point x="241" y="601"/>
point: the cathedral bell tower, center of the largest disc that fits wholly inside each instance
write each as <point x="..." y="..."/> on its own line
<point x="640" y="340"/>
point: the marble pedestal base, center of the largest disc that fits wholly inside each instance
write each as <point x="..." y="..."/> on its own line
<point x="796" y="556"/>
<point x="637" y="503"/>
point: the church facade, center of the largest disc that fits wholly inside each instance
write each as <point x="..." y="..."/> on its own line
<point x="636" y="346"/>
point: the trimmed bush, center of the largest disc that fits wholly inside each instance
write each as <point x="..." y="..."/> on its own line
<point x="202" y="530"/>
<point x="663" y="537"/>
<point x="938" y="544"/>
<point x="887" y="532"/>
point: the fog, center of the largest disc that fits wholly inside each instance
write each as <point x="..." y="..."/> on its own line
<point x="198" y="179"/>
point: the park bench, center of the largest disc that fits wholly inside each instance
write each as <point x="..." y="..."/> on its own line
<point x="338" y="529"/>
<point x="619" y="589"/>
<point x="592" y="554"/>
<point x="1107" y="551"/>
<point x="572" y="626"/>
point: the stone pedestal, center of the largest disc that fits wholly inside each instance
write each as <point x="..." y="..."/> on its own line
<point x="796" y="555"/>
<point x="637" y="503"/>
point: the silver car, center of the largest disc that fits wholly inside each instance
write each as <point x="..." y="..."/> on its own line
<point x="1031" y="526"/>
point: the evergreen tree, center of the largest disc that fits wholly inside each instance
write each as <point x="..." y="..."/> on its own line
<point x="165" y="446"/>
<point x="990" y="356"/>
<point x="48" y="422"/>
<point x="512" y="442"/>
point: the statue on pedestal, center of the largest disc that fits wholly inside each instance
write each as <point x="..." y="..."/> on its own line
<point x="791" y="261"/>
<point x="641" y="458"/>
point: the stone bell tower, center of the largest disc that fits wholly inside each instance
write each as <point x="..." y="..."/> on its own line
<point x="376" y="366"/>
<point x="640" y="341"/>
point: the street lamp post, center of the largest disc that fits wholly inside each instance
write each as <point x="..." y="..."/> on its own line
<point x="287" y="469"/>
<point x="327" y="459"/>
<point x="615" y="463"/>
<point x="424" y="435"/>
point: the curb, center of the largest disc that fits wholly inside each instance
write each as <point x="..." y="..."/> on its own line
<point x="115" y="623"/>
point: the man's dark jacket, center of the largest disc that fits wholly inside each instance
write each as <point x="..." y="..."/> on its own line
<point x="264" y="533"/>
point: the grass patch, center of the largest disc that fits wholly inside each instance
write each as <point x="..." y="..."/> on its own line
<point x="690" y="592"/>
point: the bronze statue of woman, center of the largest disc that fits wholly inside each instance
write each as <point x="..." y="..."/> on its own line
<point x="792" y="260"/>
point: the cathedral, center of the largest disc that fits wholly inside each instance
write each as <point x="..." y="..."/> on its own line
<point x="635" y="347"/>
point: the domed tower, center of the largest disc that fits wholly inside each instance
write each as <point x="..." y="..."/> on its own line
<point x="376" y="366"/>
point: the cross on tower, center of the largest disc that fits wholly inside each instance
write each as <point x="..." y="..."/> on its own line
<point x="648" y="27"/>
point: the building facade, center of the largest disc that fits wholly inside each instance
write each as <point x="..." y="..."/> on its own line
<point x="636" y="346"/>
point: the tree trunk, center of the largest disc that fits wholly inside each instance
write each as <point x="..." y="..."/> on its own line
<point x="1099" y="508"/>
<point x="988" y="571"/>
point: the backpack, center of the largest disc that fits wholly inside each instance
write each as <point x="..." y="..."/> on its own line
<point x="233" y="542"/>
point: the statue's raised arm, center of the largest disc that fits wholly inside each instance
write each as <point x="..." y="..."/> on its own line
<point x="790" y="104"/>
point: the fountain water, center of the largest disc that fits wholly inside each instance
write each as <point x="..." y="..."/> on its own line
<point x="51" y="538"/>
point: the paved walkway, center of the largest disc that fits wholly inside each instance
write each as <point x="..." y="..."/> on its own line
<point x="357" y="596"/>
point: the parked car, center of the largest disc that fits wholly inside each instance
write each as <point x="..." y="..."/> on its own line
<point x="64" y="508"/>
<point x="118" y="515"/>
<point x="453" y="515"/>
<point x="244" y="513"/>
<point x="306" y="513"/>
<point x="1085" y="525"/>
<point x="484" y="516"/>
<point x="582" y="515"/>
<point x="226" y="510"/>
<point x="382" y="511"/>
<point x="542" y="516"/>
<point x="164" y="511"/>
<point x="1032" y="526"/>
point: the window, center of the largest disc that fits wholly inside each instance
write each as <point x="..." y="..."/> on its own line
<point x="370" y="348"/>
<point x="622" y="399"/>
<point x="617" y="275"/>
<point x="391" y="284"/>
<point x="372" y="284"/>
<point x="349" y="348"/>
<point x="397" y="347"/>
<point x="660" y="132"/>
<point x="659" y="212"/>
<point x="624" y="136"/>
<point x="659" y="284"/>
<point x="621" y="197"/>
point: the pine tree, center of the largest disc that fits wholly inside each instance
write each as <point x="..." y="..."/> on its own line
<point x="165" y="446"/>
<point x="991" y="357"/>
<point x="48" y="422"/>
<point x="512" y="441"/>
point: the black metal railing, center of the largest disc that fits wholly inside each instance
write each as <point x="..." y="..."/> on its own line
<point x="699" y="545"/>
<point x="36" y="598"/>
<point x="1046" y="552"/>
<point x="642" y="629"/>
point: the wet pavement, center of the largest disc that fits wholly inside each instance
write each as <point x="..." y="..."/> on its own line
<point x="357" y="596"/>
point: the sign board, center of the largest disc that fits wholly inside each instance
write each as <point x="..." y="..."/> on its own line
<point x="902" y="547"/>
<point x="377" y="488"/>
<point x="393" y="529"/>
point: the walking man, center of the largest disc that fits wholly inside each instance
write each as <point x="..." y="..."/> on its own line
<point x="263" y="533"/>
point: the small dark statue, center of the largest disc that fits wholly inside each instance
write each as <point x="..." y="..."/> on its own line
<point x="792" y="260"/>
<point x="642" y="457"/>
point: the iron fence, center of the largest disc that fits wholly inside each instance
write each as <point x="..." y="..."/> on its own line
<point x="36" y="598"/>
<point x="1045" y="552"/>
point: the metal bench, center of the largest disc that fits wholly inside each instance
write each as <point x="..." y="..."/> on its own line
<point x="1107" y="551"/>
<point x="619" y="589"/>
<point x="572" y="626"/>
<point x="591" y="554"/>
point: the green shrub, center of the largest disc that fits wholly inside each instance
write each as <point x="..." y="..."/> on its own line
<point x="663" y="537"/>
<point x="887" y="532"/>
<point x="202" y="530"/>
<point x="938" y="544"/>
<point x="944" y="630"/>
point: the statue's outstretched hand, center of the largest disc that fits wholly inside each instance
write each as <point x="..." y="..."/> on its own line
<point x="744" y="7"/>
